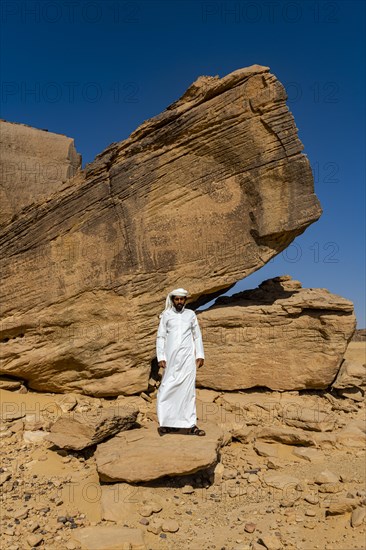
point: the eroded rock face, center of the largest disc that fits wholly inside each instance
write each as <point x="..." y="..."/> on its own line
<point x="279" y="336"/>
<point x="33" y="164"/>
<point x="199" y="196"/>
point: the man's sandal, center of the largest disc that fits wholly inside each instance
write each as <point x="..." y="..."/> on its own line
<point x="195" y="430"/>
<point x="162" y="430"/>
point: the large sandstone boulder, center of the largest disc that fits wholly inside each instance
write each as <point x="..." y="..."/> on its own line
<point x="33" y="164"/>
<point x="142" y="455"/>
<point x="279" y="336"/>
<point x="200" y="196"/>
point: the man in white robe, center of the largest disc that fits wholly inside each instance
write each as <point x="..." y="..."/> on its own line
<point x="179" y="351"/>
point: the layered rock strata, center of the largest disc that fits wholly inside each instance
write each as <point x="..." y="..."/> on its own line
<point x="200" y="196"/>
<point x="280" y="336"/>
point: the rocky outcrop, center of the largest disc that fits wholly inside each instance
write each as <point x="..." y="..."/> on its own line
<point x="142" y="455"/>
<point x="34" y="164"/>
<point x="279" y="336"/>
<point x="200" y="196"/>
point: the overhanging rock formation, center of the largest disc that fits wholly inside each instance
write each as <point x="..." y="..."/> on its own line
<point x="200" y="196"/>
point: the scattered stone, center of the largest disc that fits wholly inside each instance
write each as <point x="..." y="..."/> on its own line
<point x="5" y="476"/>
<point x="10" y="384"/>
<point x="311" y="498"/>
<point x="358" y="516"/>
<point x="146" y="397"/>
<point x="187" y="490"/>
<point x="330" y="488"/>
<point x="170" y="526"/>
<point x="281" y="481"/>
<point x="311" y="455"/>
<point x="341" y="506"/>
<point x="17" y="426"/>
<point x="271" y="542"/>
<point x="252" y="478"/>
<point x="21" y="512"/>
<point x="266" y="449"/>
<point x="242" y="434"/>
<point x="310" y="524"/>
<point x="11" y="411"/>
<point x="155" y="526"/>
<point x="36" y="437"/>
<point x="353" y="435"/>
<point x="356" y="394"/>
<point x="35" y="422"/>
<point x="218" y="473"/>
<point x="149" y="509"/>
<point x="68" y="403"/>
<point x="229" y="473"/>
<point x="351" y="374"/>
<point x="250" y="527"/>
<point x="274" y="464"/>
<point x="34" y="540"/>
<point x="326" y="477"/>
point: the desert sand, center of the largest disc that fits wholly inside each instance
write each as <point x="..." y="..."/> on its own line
<point x="260" y="494"/>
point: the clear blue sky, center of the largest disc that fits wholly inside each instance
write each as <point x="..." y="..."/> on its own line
<point x="94" y="70"/>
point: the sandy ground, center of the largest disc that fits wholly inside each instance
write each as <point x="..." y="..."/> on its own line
<point x="212" y="513"/>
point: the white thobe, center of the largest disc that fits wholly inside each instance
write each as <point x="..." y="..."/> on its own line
<point x="179" y="343"/>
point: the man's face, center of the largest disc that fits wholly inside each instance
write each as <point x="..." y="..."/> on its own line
<point x="179" y="302"/>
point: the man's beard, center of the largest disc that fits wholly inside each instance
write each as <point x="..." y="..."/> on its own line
<point x="179" y="307"/>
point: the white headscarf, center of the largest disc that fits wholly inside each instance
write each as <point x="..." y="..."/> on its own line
<point x="169" y="302"/>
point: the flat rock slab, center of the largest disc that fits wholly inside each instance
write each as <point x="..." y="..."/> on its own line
<point x="287" y="436"/>
<point x="111" y="538"/>
<point x="7" y="383"/>
<point x="80" y="430"/>
<point x="142" y="455"/>
<point x="311" y="455"/>
<point x="280" y="481"/>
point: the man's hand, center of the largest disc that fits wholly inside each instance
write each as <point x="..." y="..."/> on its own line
<point x="162" y="364"/>
<point x="199" y="362"/>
